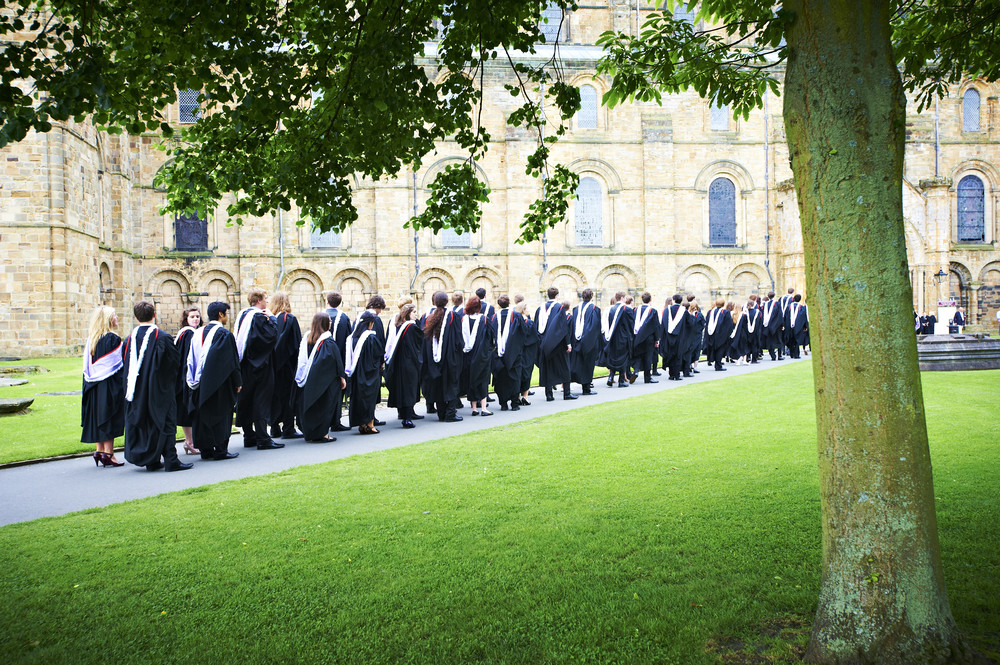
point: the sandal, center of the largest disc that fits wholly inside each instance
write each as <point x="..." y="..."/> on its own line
<point x="189" y="449"/>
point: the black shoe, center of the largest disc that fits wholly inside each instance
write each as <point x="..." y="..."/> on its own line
<point x="222" y="456"/>
<point x="530" y="393"/>
<point x="292" y="435"/>
<point x="611" y="384"/>
<point x="180" y="466"/>
<point x="588" y="391"/>
<point x="525" y="402"/>
<point x="378" y="423"/>
<point x="453" y="419"/>
<point x="416" y="417"/>
<point x="650" y="381"/>
<point x="340" y="428"/>
<point x="687" y="375"/>
<point x="155" y="466"/>
<point x="515" y="407"/>
<point x="489" y="399"/>
<point x="655" y="373"/>
<point x="269" y="445"/>
<point x="622" y="384"/>
<point x="249" y="443"/>
<point x="694" y="371"/>
<point x="550" y="398"/>
<point x="408" y="424"/>
<point x="570" y="396"/>
<point x="503" y="407"/>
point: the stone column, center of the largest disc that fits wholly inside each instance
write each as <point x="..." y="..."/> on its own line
<point x="974" y="302"/>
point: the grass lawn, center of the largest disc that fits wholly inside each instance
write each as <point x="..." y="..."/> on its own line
<point x="667" y="529"/>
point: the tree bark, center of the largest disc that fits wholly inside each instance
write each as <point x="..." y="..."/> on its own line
<point x="883" y="597"/>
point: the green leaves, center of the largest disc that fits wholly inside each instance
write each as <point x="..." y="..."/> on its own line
<point x="455" y="201"/>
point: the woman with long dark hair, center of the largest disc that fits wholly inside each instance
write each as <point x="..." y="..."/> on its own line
<point x="443" y="358"/>
<point x="319" y="380"/>
<point x="403" y="359"/>
<point x="283" y="360"/>
<point x="190" y="322"/>
<point x="479" y="343"/>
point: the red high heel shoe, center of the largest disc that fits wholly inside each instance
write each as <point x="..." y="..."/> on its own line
<point x="107" y="460"/>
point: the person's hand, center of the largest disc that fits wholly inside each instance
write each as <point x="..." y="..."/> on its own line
<point x="343" y="383"/>
<point x="239" y="388"/>
<point x="657" y="345"/>
<point x="569" y="348"/>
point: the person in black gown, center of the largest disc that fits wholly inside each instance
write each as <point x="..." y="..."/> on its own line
<point x="213" y="377"/>
<point x="340" y="330"/>
<point x="695" y="337"/>
<point x="256" y="331"/>
<point x="442" y="358"/>
<point x="479" y="344"/>
<point x="283" y="359"/>
<point x="190" y="322"/>
<point x="508" y="328"/>
<point x="365" y="354"/>
<point x="150" y="364"/>
<point x="617" y="352"/>
<point x="645" y="340"/>
<point x="554" y="343"/>
<point x="529" y="351"/>
<point x="587" y="341"/>
<point x="319" y="380"/>
<point x="674" y="326"/>
<point x="403" y="360"/>
<point x="103" y="404"/>
<point x="718" y="326"/>
<point x="771" y="327"/>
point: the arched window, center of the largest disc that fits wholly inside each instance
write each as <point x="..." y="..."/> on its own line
<point x="551" y="32"/>
<point x="187" y="104"/>
<point x="451" y="239"/>
<point x="587" y="219"/>
<point x="719" y="119"/>
<point x="970" y="111"/>
<point x="586" y="118"/>
<point x="722" y="213"/>
<point x="191" y="233"/>
<point x="971" y="210"/>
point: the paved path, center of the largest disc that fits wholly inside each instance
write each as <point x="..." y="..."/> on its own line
<point x="64" y="486"/>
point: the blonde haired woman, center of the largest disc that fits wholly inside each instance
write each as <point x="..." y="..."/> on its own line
<point x="103" y="403"/>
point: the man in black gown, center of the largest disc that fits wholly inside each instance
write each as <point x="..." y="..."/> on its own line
<point x="554" y="342"/>
<point x="617" y="351"/>
<point x="509" y="328"/>
<point x="645" y="340"/>
<point x="340" y="330"/>
<point x="773" y="325"/>
<point x="256" y="332"/>
<point x="586" y="322"/>
<point x="213" y="373"/>
<point x="673" y="336"/>
<point x="797" y="325"/>
<point x="151" y="363"/>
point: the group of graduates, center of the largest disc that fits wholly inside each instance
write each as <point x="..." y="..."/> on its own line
<point x="274" y="378"/>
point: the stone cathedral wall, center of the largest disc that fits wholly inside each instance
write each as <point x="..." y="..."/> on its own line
<point x="80" y="222"/>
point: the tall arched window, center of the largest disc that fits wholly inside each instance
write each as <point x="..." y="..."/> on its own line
<point x="586" y="118"/>
<point x="971" y="210"/>
<point x="588" y="217"/>
<point x="722" y="213"/>
<point x="191" y="233"/>
<point x="970" y="111"/>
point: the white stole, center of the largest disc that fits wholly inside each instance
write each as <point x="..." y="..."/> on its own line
<point x="336" y="322"/>
<point x="103" y="367"/>
<point x="581" y="314"/>
<point x="436" y="341"/>
<point x="393" y="339"/>
<point x="795" y="312"/>
<point x="752" y="326"/>
<point x="306" y="358"/>
<point x="639" y="320"/>
<point x="180" y="333"/>
<point x="768" y="312"/>
<point x="469" y="333"/>
<point x="200" y="345"/>
<point x="613" y="324"/>
<point x="503" y="332"/>
<point x="673" y="320"/>
<point x="243" y="331"/>
<point x="736" y="328"/>
<point x="354" y="351"/>
<point x="543" y="318"/>
<point x="135" y="359"/>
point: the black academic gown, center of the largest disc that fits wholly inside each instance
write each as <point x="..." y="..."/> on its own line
<point x="478" y="361"/>
<point x="617" y="352"/>
<point x="717" y="341"/>
<point x="553" y="367"/>
<point x="213" y="400"/>
<point x="340" y="335"/>
<point x="254" y="403"/>
<point x="151" y="416"/>
<point x="644" y="341"/>
<point x="798" y="331"/>
<point x="674" y="343"/>
<point x="587" y="348"/>
<point x="283" y="360"/>
<point x="746" y="341"/>
<point x="403" y="372"/>
<point x="365" y="381"/>
<point x="185" y="410"/>
<point x="771" y="328"/>
<point x="102" y="413"/>
<point x="507" y="368"/>
<point x="443" y="376"/>
<point x="322" y="392"/>
<point x="529" y="354"/>
<point x="694" y="342"/>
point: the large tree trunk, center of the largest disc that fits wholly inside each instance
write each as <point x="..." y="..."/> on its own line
<point x="883" y="598"/>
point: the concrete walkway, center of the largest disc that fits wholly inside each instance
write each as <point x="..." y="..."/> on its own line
<point x="64" y="486"/>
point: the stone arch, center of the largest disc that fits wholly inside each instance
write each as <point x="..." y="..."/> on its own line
<point x="218" y="276"/>
<point x="438" y="166"/>
<point x="353" y="273"/>
<point x="169" y="291"/>
<point x="722" y="167"/>
<point x="568" y="279"/>
<point x="612" y="279"/>
<point x="218" y="286"/>
<point x="746" y="279"/>
<point x="157" y="280"/>
<point x="305" y="294"/>
<point x="432" y="280"/>
<point x="701" y="280"/>
<point x="959" y="278"/>
<point x="105" y="283"/>
<point x="985" y="168"/>
<point x="988" y="296"/>
<point x="600" y="168"/>
<point x="700" y="268"/>
<point x="487" y="278"/>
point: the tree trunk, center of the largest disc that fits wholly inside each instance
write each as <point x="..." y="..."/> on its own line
<point x="882" y="598"/>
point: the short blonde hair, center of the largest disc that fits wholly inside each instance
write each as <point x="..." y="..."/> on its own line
<point x="279" y="303"/>
<point x="255" y="295"/>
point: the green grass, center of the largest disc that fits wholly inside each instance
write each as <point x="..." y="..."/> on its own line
<point x="651" y="530"/>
